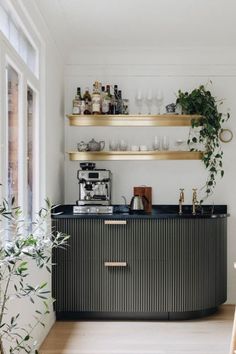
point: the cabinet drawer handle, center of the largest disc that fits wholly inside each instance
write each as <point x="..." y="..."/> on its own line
<point x="115" y="264"/>
<point x="115" y="222"/>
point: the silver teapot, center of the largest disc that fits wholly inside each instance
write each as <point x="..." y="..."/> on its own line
<point x="82" y="146"/>
<point x="95" y="145"/>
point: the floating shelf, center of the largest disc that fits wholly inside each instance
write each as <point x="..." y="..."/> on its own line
<point x="134" y="155"/>
<point x="161" y="120"/>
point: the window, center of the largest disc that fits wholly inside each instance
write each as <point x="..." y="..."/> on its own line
<point x="13" y="129"/>
<point x="30" y="151"/>
<point x="20" y="128"/>
<point x="11" y="28"/>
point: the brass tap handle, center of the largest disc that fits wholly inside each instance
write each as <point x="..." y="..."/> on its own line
<point x="181" y="195"/>
<point x="195" y="194"/>
<point x="194" y="200"/>
<point x="181" y="200"/>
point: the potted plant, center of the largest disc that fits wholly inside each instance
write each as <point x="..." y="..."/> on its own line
<point x="204" y="132"/>
<point x="20" y="243"/>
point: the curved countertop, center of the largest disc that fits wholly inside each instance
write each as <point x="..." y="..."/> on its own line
<point x="164" y="211"/>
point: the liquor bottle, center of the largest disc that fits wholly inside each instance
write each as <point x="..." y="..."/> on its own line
<point x="103" y="94"/>
<point x="87" y="101"/>
<point x="103" y="91"/>
<point x="96" y="99"/>
<point x="76" y="102"/>
<point x="119" y="103"/>
<point x="114" y="100"/>
<point x="83" y="108"/>
<point x="106" y="101"/>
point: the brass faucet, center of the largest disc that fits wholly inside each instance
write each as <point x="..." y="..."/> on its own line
<point x="181" y="200"/>
<point x="194" y="201"/>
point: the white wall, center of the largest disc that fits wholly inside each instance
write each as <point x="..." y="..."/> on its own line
<point x="168" y="70"/>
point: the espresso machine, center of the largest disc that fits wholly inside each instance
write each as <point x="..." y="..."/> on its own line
<point x="94" y="190"/>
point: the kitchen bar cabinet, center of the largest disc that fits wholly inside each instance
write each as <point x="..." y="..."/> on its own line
<point x="169" y="120"/>
<point x="139" y="268"/>
<point x="109" y="267"/>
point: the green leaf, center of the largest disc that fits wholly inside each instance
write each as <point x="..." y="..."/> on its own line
<point x="43" y="285"/>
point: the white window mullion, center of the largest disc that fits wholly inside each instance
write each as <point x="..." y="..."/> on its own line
<point x="36" y="153"/>
<point x="22" y="144"/>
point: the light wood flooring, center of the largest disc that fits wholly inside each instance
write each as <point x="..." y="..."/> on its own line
<point x="209" y="335"/>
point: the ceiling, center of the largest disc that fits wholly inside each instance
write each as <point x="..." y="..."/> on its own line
<point x="76" y="24"/>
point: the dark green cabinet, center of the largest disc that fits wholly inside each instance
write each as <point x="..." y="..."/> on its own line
<point x="139" y="268"/>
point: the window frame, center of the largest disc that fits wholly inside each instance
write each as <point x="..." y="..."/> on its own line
<point x="9" y="56"/>
<point x="17" y="17"/>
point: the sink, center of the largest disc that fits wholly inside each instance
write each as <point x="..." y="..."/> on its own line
<point x="120" y="209"/>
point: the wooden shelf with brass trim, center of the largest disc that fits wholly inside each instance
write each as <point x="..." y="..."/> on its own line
<point x="134" y="155"/>
<point x="161" y="120"/>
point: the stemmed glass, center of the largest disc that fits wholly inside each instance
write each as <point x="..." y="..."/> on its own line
<point x="139" y="101"/>
<point x="159" y="100"/>
<point x="149" y="101"/>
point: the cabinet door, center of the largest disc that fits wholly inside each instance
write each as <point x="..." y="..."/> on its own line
<point x="111" y="267"/>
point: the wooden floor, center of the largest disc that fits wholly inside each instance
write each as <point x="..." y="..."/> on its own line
<point x="209" y="335"/>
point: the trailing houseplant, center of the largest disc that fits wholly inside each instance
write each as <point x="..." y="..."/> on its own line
<point x="24" y="244"/>
<point x="204" y="132"/>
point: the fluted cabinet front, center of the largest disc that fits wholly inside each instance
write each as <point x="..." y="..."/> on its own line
<point x="143" y="266"/>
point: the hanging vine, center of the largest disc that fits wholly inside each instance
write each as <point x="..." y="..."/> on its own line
<point x="204" y="132"/>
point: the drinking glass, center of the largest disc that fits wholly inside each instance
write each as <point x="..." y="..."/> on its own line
<point x="156" y="144"/>
<point x="123" y="146"/>
<point x="113" y="145"/>
<point x="125" y="106"/>
<point x="179" y="144"/>
<point x="139" y="100"/>
<point x="159" y="100"/>
<point x="149" y="101"/>
<point x="165" y="143"/>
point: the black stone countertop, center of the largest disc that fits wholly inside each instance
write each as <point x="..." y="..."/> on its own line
<point x="158" y="212"/>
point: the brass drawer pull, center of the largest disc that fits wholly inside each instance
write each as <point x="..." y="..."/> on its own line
<point x="115" y="222"/>
<point x="115" y="264"/>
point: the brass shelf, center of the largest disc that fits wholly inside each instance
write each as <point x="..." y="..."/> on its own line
<point x="161" y="120"/>
<point x="134" y="155"/>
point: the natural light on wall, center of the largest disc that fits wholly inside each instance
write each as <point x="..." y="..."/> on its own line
<point x="17" y="38"/>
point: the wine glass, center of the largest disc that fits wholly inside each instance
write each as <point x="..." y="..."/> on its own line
<point x="149" y="101"/>
<point x="159" y="100"/>
<point x="139" y="100"/>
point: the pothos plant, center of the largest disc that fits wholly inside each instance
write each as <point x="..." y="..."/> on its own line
<point x="20" y="243"/>
<point x="205" y="131"/>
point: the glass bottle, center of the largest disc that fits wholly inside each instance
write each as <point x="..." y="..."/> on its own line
<point x="96" y="99"/>
<point x="106" y="102"/>
<point x="87" y="101"/>
<point x="76" y="102"/>
<point x="114" y="98"/>
<point x="119" y="103"/>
